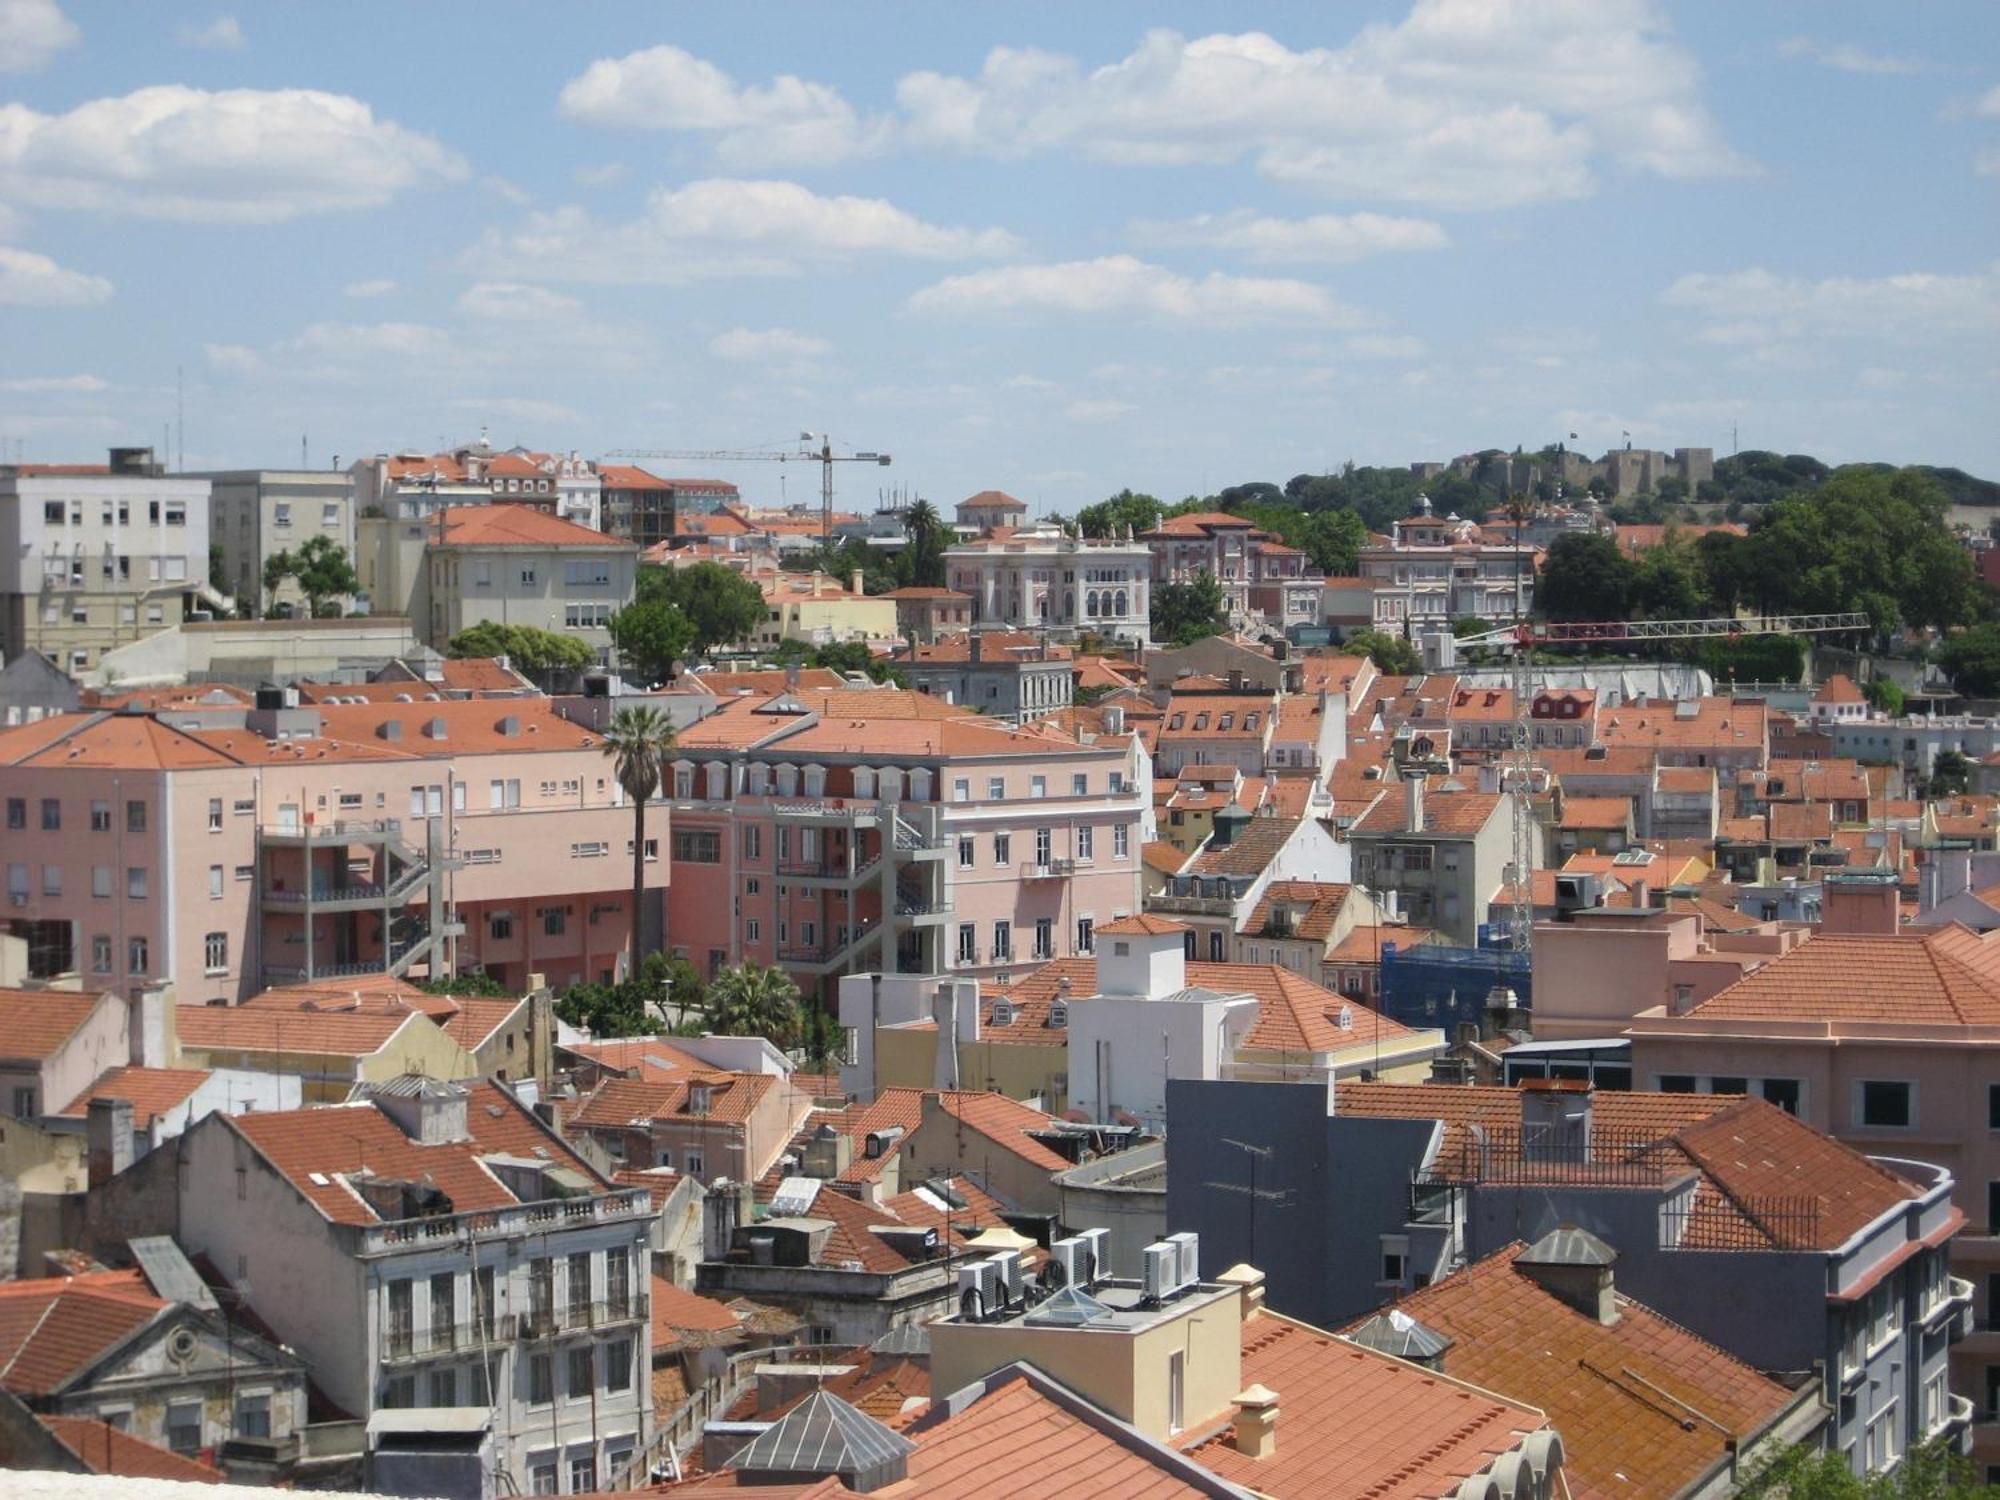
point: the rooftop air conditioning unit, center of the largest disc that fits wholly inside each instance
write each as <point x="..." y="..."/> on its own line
<point x="1007" y="1265"/>
<point x="1187" y="1251"/>
<point x="1096" y="1264"/>
<point x="978" y="1290"/>
<point x="1067" y="1261"/>
<point x="1161" y="1271"/>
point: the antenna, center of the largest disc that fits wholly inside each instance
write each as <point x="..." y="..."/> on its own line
<point x="180" y="418"/>
<point x="1278" y="1198"/>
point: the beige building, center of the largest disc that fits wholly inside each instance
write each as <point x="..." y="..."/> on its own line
<point x="819" y="611"/>
<point x="95" y="556"/>
<point x="254" y="514"/>
<point x="331" y="1047"/>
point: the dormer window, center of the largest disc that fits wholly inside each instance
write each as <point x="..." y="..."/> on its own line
<point x="1003" y="1013"/>
<point x="1058" y="1014"/>
<point x="698" y="1098"/>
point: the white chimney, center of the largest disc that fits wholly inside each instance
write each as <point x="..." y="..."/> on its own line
<point x="1413" y="802"/>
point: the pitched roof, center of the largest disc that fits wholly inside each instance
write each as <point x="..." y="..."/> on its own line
<point x="520" y="526"/>
<point x="1839" y="688"/>
<point x="321" y="1151"/>
<point x="1162" y="856"/>
<point x="1701" y="721"/>
<point x="305" y="1033"/>
<point x="1450" y="813"/>
<point x="34" y="1024"/>
<point x="1600" y="1385"/>
<point x="994" y="500"/>
<point x="641" y="1056"/>
<point x="1322" y="902"/>
<point x="625" y="1102"/>
<point x="1142" y="924"/>
<point x="1593" y="813"/>
<point x="629" y="477"/>
<point x="104" y="1449"/>
<point x="1255" y="844"/>
<point x="1359" y="1423"/>
<point x="152" y="1091"/>
<point x="677" y="1312"/>
<point x="54" y="1328"/>
<point x="1943" y="977"/>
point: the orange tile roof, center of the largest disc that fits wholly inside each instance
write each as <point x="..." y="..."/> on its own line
<point x="1322" y="901"/>
<point x="54" y="1328"/>
<point x="1359" y="1423"/>
<point x="520" y="526"/>
<point x="1839" y="688"/>
<point x="677" y="1312"/>
<point x="34" y="1024"/>
<point x="1199" y="717"/>
<point x="1294" y="1014"/>
<point x="629" y="477"/>
<point x="1098" y="672"/>
<point x="994" y="500"/>
<point x="1142" y="924"/>
<point x="1159" y="855"/>
<point x="622" y="1103"/>
<point x="1197" y="524"/>
<point x="1454" y="813"/>
<point x="1594" y="813"/>
<point x="1600" y="1386"/>
<point x="1687" y="779"/>
<point x="1720" y="722"/>
<point x="104" y="1449"/>
<point x="766" y="681"/>
<point x="337" y="1141"/>
<point x="1944" y="977"/>
<point x="892" y="1109"/>
<point x="152" y="1092"/>
<point x="99" y="741"/>
<point x="479" y="674"/>
<point x="274" y="1028"/>
<point x="853" y="1244"/>
<point x="648" y="1057"/>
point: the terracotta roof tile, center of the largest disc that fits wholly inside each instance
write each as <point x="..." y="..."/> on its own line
<point x="650" y="1057"/>
<point x="103" y="1449"/>
<point x="1947" y="976"/>
<point x="152" y="1091"/>
<point x="620" y="1103"/>
<point x="1250" y="852"/>
<point x="1595" y="813"/>
<point x="1162" y="856"/>
<point x="677" y="1312"/>
<point x="1599" y="1385"/>
<point x="54" y="1328"/>
<point x="520" y="526"/>
<point x="360" y="1032"/>
<point x="1452" y="813"/>
<point x="1314" y="908"/>
<point x="1839" y="688"/>
<point x="34" y="1024"/>
<point x="1143" y="924"/>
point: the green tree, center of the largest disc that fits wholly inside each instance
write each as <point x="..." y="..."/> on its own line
<point x="277" y="568"/>
<point x="218" y="570"/>
<point x="1884" y="695"/>
<point x="721" y="604"/>
<point x="637" y="743"/>
<point x="619" y="1009"/>
<point x="1667" y="582"/>
<point x="922" y="559"/>
<point x="527" y="647"/>
<point x="324" y="573"/>
<point x="1931" y="1471"/>
<point x="1586" y="577"/>
<point x="650" y="637"/>
<point x="854" y="656"/>
<point x="1390" y="653"/>
<point x="480" y="985"/>
<point x="1971" y="659"/>
<point x="1466" y="625"/>
<point x="1185" y="612"/>
<point x="1951" y="775"/>
<point x="755" y="1000"/>
<point x="1109" y="518"/>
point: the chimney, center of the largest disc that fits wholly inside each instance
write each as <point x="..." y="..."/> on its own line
<point x="1249" y="1283"/>
<point x="1555" y="1120"/>
<point x="1574" y="1265"/>
<point x="1861" y="902"/>
<point x="792" y="677"/>
<point x="1256" y="1421"/>
<point x="1114" y="719"/>
<point x="1413" y="802"/>
<point x="153" y="1035"/>
<point x="108" y="1137"/>
<point x="974" y="643"/>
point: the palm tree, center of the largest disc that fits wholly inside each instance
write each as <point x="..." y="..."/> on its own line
<point x="637" y="743"/>
<point x="752" y="1000"/>
<point x="923" y="525"/>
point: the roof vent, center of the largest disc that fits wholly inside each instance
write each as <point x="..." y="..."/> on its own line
<point x="390" y="729"/>
<point x="510" y="727"/>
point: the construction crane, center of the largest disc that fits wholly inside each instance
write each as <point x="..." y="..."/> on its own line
<point x="1526" y="636"/>
<point x="823" y="455"/>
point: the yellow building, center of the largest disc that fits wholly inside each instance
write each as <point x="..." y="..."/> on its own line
<point x="331" y="1046"/>
<point x="819" y="611"/>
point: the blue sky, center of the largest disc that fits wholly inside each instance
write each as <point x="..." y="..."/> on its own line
<point x="1052" y="249"/>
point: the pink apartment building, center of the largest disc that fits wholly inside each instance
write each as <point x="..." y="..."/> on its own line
<point x="227" y="848"/>
<point x="830" y="832"/>
<point x="1887" y="1040"/>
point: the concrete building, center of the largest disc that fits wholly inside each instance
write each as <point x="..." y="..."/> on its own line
<point x="254" y="514"/>
<point x="925" y="614"/>
<point x="1331" y="932"/>
<point x="988" y="511"/>
<point x="1441" y="571"/>
<point x="33" y="687"/>
<point x="1012" y="675"/>
<point x="410" y="486"/>
<point x="56" y="1042"/>
<point x="886" y="830"/>
<point x="1443" y="855"/>
<point x="434" y="1245"/>
<point x="1041" y="579"/>
<point x="821" y="611"/>
<point x="94" y="556"/>
<point x="1791" y="1251"/>
<point x="1215" y="891"/>
<point x="228" y="847"/>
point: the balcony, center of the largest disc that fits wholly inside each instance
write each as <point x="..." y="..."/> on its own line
<point x="1954" y="1307"/>
<point x="402" y="1345"/>
<point x="1956" y="1430"/>
<point x="1048" y="869"/>
<point x="506" y="1223"/>
<point x="338" y="830"/>
<point x="574" y="1317"/>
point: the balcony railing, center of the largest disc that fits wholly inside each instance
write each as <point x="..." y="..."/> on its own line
<point x="567" y="1317"/>
<point x="1047" y="869"/>
<point x="427" y="1343"/>
<point x="525" y="1218"/>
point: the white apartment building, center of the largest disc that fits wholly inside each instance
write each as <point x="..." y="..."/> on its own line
<point x="1041" y="579"/>
<point x="94" y="556"/>
<point x="254" y="514"/>
<point x="436" y="1245"/>
<point x="1438" y="571"/>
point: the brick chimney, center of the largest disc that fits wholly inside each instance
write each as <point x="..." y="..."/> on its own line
<point x="1861" y="903"/>
<point x="108" y="1138"/>
<point x="1256" y="1421"/>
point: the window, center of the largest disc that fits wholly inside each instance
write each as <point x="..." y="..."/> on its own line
<point x="215" y="814"/>
<point x="500" y="926"/>
<point x="697" y="846"/>
<point x="215" y="952"/>
<point x="100" y="954"/>
<point x="1003" y="940"/>
<point x="618" y="1365"/>
<point x="1886" y="1105"/>
<point x="1038" y="788"/>
<point x="1993" y="1106"/>
<point x="51" y="815"/>
<point x="1117" y="782"/>
<point x="753" y="842"/>
<point x="996" y="789"/>
<point x="1121" y="840"/>
<point x="135" y="817"/>
<point x="1993" y="1207"/>
<point x="541" y="1381"/>
<point x="1086" y="842"/>
<point x="542" y="1474"/>
<point x="966" y="855"/>
<point x="582" y="1466"/>
<point x="329" y="515"/>
<point x="503" y="794"/>
<point x="402" y="1315"/>
<point x="444" y="1313"/>
<point x="528" y="576"/>
<point x="444" y="1388"/>
<point x="253" y="1416"/>
<point x="617" y="1280"/>
<point x="215" y="882"/>
<point x="1079" y="784"/>
<point x="100" y="880"/>
<point x="694" y="1163"/>
<point x="1044" y="847"/>
<point x="961" y="790"/>
<point x="1783" y="1092"/>
<point x="17" y="814"/>
<point x="51" y="880"/>
<point x="1215" y="954"/>
<point x="53" y="513"/>
<point x="579" y="1284"/>
<point x="555" y="921"/>
<point x="1085" y="939"/>
<point x="1002" y="848"/>
<point x="1395" y="1258"/>
<point x="1176" y="1390"/>
<point x="1677" y="1083"/>
<point x="968" y="943"/>
<point x="24" y="1103"/>
<point x="184" y="1427"/>
<point x="135" y="882"/>
<point x="1045" y="937"/>
<point x="400" y="1391"/>
<point x="281" y="515"/>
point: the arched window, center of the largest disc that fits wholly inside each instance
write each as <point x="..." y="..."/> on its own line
<point x="760" y="779"/>
<point x="815" y="781"/>
<point x="1121" y="604"/>
<point x="864" y="781"/>
<point x="1090" y="604"/>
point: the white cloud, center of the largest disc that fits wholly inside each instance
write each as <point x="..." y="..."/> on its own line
<point x="766" y="346"/>
<point x="723" y="227"/>
<point x="1464" y="103"/>
<point x="375" y="286"/>
<point x="529" y="410"/>
<point x="233" y="359"/>
<point x="55" y="385"/>
<point x="1385" y="346"/>
<point x="1123" y="286"/>
<point x="788" y="121"/>
<point x="1758" y="307"/>
<point x="605" y="174"/>
<point x="1330" y="238"/>
<point x="513" y="299"/>
<point x="31" y="280"/>
<point x="223" y="34"/>
<point x="506" y="191"/>
<point x="1098" y="409"/>
<point x="244" y="156"/>
<point x="1845" y="57"/>
<point x="32" y="32"/>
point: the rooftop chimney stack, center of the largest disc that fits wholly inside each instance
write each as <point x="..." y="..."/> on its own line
<point x="1256" y="1421"/>
<point x="1413" y="802"/>
<point x="1574" y="1265"/>
<point x="1555" y="1120"/>
<point x="108" y="1138"/>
